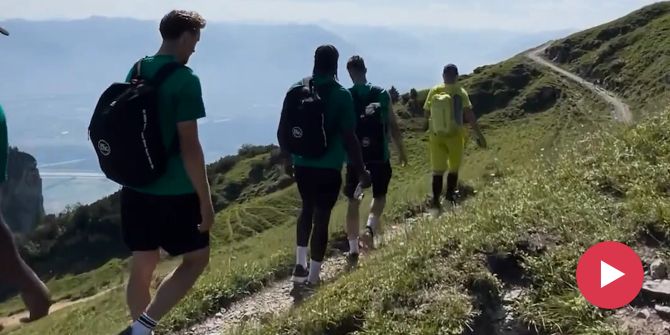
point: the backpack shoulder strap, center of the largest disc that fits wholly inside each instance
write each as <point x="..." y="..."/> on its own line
<point x="165" y="72"/>
<point x="376" y="90"/>
<point x="354" y="96"/>
<point x="135" y="72"/>
<point x="373" y="94"/>
<point x="323" y="88"/>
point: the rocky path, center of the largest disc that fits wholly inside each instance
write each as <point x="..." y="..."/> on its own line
<point x="280" y="296"/>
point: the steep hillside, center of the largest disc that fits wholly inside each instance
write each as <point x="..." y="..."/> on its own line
<point x="504" y="262"/>
<point x="629" y="56"/>
<point x="526" y="113"/>
<point x="55" y="247"/>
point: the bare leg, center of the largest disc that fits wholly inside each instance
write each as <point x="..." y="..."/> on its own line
<point x="138" y="294"/>
<point x="178" y="283"/>
<point x="374" y="221"/>
<point x="353" y="219"/>
<point x="376" y="211"/>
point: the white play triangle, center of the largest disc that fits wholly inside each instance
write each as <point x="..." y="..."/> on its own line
<point x="608" y="274"/>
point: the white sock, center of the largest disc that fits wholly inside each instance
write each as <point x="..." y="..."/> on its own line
<point x="314" y="272"/>
<point x="373" y="222"/>
<point x="143" y="326"/>
<point x="353" y="246"/>
<point x="301" y="256"/>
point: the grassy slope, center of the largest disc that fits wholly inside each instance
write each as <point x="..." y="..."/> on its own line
<point x="113" y="273"/>
<point x="630" y="55"/>
<point x="528" y="186"/>
<point x="241" y="266"/>
<point x="611" y="187"/>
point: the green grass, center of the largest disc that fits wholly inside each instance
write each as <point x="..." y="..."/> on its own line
<point x="628" y="54"/>
<point x="234" y="270"/>
<point x="253" y="242"/>
<point x="568" y="201"/>
<point x="74" y="287"/>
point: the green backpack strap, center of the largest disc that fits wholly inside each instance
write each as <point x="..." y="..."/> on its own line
<point x="375" y="93"/>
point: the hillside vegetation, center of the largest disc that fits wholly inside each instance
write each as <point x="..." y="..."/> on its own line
<point x="253" y="240"/>
<point x="514" y="245"/>
<point x="630" y="56"/>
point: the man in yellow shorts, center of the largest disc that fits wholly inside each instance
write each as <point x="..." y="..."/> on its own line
<point x="446" y="106"/>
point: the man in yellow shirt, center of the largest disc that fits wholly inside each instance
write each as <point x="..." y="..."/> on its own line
<point x="446" y="151"/>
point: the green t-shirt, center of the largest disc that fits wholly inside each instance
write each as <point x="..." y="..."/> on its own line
<point x="339" y="117"/>
<point x="362" y="90"/>
<point x="4" y="146"/>
<point x="180" y="100"/>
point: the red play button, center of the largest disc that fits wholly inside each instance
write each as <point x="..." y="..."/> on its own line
<point x="610" y="275"/>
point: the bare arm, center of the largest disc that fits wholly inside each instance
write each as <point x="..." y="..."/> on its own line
<point x="284" y="155"/>
<point x="396" y="135"/>
<point x="426" y="108"/>
<point x="353" y="148"/>
<point x="194" y="163"/>
<point x="471" y="119"/>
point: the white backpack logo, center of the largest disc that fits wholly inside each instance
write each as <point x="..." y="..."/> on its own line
<point x="297" y="132"/>
<point x="104" y="148"/>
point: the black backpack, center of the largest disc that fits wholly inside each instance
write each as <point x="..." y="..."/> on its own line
<point x="125" y="129"/>
<point x="303" y="130"/>
<point x="370" y="125"/>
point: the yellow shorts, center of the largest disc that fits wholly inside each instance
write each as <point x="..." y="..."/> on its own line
<point x="446" y="153"/>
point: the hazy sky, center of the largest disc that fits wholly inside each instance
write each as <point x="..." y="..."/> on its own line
<point x="471" y="14"/>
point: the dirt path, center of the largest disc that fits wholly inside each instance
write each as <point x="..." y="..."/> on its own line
<point x="621" y="110"/>
<point x="14" y="321"/>
<point x="278" y="297"/>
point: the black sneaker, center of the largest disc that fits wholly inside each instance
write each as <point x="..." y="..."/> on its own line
<point x="450" y="201"/>
<point x="127" y="331"/>
<point x="300" y="274"/>
<point x="368" y="238"/>
<point x="312" y="286"/>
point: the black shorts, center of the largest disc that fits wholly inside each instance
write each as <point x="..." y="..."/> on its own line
<point x="318" y="187"/>
<point x="149" y="222"/>
<point x="380" y="174"/>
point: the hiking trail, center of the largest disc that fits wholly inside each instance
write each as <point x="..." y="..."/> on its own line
<point x="277" y="298"/>
<point x="621" y="111"/>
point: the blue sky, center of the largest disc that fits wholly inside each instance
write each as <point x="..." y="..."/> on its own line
<point x="515" y="15"/>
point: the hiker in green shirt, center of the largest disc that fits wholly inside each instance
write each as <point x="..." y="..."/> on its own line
<point x="319" y="178"/>
<point x="175" y="212"/>
<point x="376" y="125"/>
<point x="16" y="272"/>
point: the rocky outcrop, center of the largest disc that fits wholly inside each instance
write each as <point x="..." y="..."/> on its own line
<point x="497" y="89"/>
<point x="22" y="199"/>
<point x="540" y="99"/>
